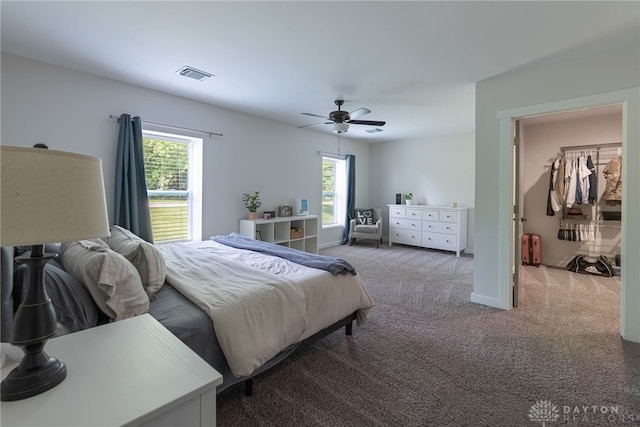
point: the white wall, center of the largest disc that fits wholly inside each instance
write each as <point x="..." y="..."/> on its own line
<point x="577" y="78"/>
<point x="437" y="171"/>
<point x="542" y="142"/>
<point x="69" y="111"/>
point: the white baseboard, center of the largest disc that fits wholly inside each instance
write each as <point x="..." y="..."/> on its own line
<point x="491" y="302"/>
<point x="328" y="245"/>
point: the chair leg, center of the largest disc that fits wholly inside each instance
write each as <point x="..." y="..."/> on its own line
<point x="352" y="241"/>
<point x="377" y="244"/>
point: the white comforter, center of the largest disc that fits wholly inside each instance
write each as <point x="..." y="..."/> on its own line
<point x="260" y="304"/>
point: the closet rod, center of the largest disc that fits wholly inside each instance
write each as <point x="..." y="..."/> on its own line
<point x="592" y="146"/>
<point x="111" y="116"/>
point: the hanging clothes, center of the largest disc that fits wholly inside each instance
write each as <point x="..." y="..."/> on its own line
<point x="583" y="173"/>
<point x="553" y="203"/>
<point x="577" y="232"/>
<point x="593" y="186"/>
<point x="559" y="183"/>
<point x="570" y="183"/>
<point x="613" y="175"/>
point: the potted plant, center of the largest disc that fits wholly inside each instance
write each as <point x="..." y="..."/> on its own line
<point x="408" y="197"/>
<point x="252" y="203"/>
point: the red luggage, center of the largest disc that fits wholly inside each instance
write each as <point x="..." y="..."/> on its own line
<point x="531" y="251"/>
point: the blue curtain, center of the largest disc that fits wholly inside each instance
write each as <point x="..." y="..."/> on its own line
<point x="131" y="200"/>
<point x="351" y="195"/>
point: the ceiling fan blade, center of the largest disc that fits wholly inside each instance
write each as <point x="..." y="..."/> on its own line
<point x="359" y="113"/>
<point x="314" y="115"/>
<point x="366" y="122"/>
<point x="315" y="124"/>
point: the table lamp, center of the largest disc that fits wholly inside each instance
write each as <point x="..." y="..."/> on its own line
<point x="47" y="196"/>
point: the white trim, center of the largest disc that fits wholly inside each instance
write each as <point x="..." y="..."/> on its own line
<point x="329" y="244"/>
<point x="484" y="300"/>
<point x="629" y="289"/>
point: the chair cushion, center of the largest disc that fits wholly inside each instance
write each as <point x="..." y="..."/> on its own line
<point x="366" y="229"/>
<point x="365" y="217"/>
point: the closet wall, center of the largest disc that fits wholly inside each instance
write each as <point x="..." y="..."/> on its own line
<point x="543" y="138"/>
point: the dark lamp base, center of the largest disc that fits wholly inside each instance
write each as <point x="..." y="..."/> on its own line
<point x="22" y="382"/>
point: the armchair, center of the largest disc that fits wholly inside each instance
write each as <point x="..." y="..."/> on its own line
<point x="366" y="225"/>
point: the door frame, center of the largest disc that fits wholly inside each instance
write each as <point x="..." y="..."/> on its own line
<point x="630" y="247"/>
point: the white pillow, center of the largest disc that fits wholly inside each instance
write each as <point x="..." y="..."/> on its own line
<point x="146" y="258"/>
<point x="112" y="281"/>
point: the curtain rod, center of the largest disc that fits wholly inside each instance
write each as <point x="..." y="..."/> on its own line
<point x="322" y="153"/>
<point x="111" y="116"/>
<point x="596" y="146"/>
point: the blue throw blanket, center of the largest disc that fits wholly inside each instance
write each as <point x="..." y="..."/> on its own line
<point x="331" y="264"/>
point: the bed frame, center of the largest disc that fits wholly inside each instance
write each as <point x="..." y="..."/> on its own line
<point x="7" y="262"/>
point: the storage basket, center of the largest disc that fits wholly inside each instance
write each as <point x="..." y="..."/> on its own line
<point x="611" y="215"/>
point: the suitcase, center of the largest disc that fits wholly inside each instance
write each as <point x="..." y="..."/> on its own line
<point x="531" y="251"/>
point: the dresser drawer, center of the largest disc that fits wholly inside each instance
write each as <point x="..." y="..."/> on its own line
<point x="439" y="241"/>
<point x="397" y="212"/>
<point x="414" y="214"/>
<point x="448" y="216"/>
<point x="405" y="236"/>
<point x="440" y="227"/>
<point x="430" y="215"/>
<point x="406" y="224"/>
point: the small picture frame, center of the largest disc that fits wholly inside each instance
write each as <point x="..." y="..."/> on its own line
<point x="269" y="214"/>
<point x="285" y="210"/>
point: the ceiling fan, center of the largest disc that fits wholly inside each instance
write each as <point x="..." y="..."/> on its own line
<point x="342" y="119"/>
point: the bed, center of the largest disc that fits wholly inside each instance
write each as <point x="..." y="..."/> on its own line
<point x="243" y="310"/>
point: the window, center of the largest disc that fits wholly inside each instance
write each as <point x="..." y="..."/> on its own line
<point x="334" y="194"/>
<point x="173" y="170"/>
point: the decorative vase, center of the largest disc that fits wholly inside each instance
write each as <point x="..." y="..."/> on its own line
<point x="253" y="215"/>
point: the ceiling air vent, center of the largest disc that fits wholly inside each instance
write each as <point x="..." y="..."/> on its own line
<point x="376" y="130"/>
<point x="193" y="73"/>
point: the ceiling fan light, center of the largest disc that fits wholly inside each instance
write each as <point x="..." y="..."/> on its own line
<point x="340" y="127"/>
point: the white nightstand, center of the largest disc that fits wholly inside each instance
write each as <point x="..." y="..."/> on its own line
<point x="131" y="372"/>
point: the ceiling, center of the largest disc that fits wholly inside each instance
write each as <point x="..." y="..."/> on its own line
<point x="413" y="64"/>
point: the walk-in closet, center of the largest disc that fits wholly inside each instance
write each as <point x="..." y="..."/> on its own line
<point x="573" y="220"/>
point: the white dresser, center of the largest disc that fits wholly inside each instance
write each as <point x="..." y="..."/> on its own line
<point x="437" y="227"/>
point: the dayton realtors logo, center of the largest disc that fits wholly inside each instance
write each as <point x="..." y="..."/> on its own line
<point x="543" y="411"/>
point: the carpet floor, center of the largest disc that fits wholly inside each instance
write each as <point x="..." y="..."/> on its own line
<point x="429" y="357"/>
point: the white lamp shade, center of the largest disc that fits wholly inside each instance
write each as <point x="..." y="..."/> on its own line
<point x="50" y="196"/>
<point x="340" y="127"/>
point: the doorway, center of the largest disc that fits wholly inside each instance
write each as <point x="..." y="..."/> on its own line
<point x="629" y="289"/>
<point x="594" y="134"/>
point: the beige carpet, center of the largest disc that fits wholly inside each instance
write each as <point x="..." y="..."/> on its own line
<point x="429" y="357"/>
